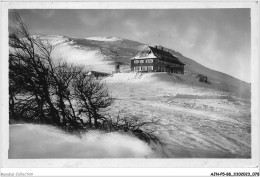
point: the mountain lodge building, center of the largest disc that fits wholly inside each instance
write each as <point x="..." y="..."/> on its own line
<point x="155" y="59"/>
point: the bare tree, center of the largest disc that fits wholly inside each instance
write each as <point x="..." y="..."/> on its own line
<point x="143" y="129"/>
<point x="92" y="96"/>
<point x="32" y="76"/>
<point x="45" y="91"/>
<point x="58" y="93"/>
<point x="28" y="66"/>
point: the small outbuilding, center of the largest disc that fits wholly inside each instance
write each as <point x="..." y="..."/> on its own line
<point x="97" y="74"/>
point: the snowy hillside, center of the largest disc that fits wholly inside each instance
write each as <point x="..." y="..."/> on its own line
<point x="205" y="120"/>
<point x="219" y="80"/>
<point x="196" y="120"/>
<point x="89" y="56"/>
<point x="97" y="54"/>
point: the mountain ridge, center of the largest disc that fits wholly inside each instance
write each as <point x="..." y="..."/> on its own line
<point x="100" y="55"/>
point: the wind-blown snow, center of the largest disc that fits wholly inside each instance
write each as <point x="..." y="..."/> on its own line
<point x="42" y="141"/>
<point x="52" y="39"/>
<point x="196" y="119"/>
<point x="67" y="50"/>
<point x="106" y="38"/>
<point x="171" y="84"/>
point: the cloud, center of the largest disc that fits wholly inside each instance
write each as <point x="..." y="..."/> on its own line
<point x="213" y="37"/>
<point x="211" y="54"/>
<point x="190" y="38"/>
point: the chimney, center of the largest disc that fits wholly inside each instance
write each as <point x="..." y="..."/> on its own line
<point x="156" y="46"/>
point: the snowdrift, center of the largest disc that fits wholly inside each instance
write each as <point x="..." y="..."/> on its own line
<point x="177" y="83"/>
<point x="144" y="77"/>
<point x="94" y="52"/>
<point x="239" y="89"/>
<point x="196" y="119"/>
<point x="30" y="141"/>
<point x="88" y="56"/>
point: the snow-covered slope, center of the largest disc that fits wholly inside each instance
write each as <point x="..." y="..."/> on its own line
<point x="29" y="141"/>
<point x="66" y="49"/>
<point x="98" y="54"/>
<point x="218" y="79"/>
<point x="196" y="119"/>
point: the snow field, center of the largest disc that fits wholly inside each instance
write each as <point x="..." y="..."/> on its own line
<point x="196" y="120"/>
<point x="30" y="141"/>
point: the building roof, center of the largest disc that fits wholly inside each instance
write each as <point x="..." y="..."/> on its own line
<point x="156" y="52"/>
<point x="97" y="73"/>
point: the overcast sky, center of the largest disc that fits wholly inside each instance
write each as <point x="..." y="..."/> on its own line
<point x="216" y="38"/>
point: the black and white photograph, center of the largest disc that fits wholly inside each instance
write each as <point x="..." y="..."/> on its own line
<point x="157" y="85"/>
<point x="129" y="83"/>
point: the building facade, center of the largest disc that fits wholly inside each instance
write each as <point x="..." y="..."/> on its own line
<point x="156" y="59"/>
